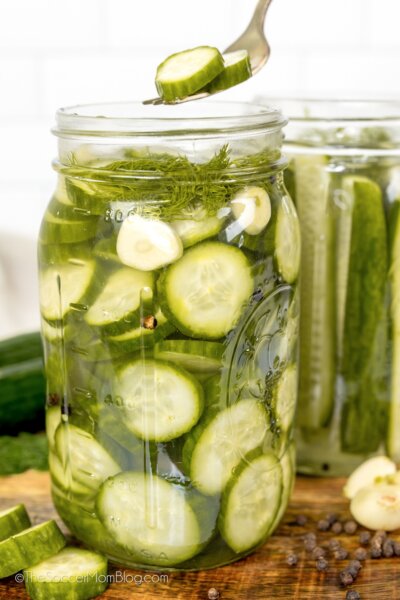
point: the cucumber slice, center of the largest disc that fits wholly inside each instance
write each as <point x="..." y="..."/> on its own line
<point x="72" y="574"/>
<point x="203" y="293"/>
<point x="363" y="422"/>
<point x="197" y="227"/>
<point x="149" y="516"/>
<point x="393" y="437"/>
<point x="184" y="73"/>
<point x="377" y="507"/>
<point x="53" y="419"/>
<point x="286" y="398"/>
<point x="287" y="241"/>
<point x="217" y="445"/>
<point x="288" y="464"/>
<point x="147" y="244"/>
<point x="317" y="322"/>
<point x="106" y="249"/>
<point x="56" y="229"/>
<point x="237" y="68"/>
<point x="62" y="286"/>
<point x="83" y="459"/>
<point x="251" y="208"/>
<point x="370" y="470"/>
<point x="63" y="482"/>
<point x="118" y="303"/>
<point x="30" y="547"/>
<point x="251" y="501"/>
<point x="140" y="337"/>
<point x="161" y="401"/>
<point x="52" y="332"/>
<point x="194" y="356"/>
<point x="13" y="520"/>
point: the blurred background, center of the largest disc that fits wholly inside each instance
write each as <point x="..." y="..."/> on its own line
<point x="54" y="53"/>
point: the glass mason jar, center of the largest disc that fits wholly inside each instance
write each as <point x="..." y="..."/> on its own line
<point x="169" y="256"/>
<point x="344" y="175"/>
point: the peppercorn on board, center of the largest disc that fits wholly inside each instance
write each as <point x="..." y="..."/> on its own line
<point x="263" y="575"/>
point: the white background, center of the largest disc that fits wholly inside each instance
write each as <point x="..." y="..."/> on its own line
<point x="55" y="53"/>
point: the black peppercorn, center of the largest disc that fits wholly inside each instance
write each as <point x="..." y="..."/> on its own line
<point x="396" y="548"/>
<point x="292" y="559"/>
<point x="376" y="551"/>
<point x="341" y="553"/>
<point x="354" y="568"/>
<point x="333" y="544"/>
<point x="353" y="595"/>
<point x="332" y="518"/>
<point x="323" y="525"/>
<point x="350" y="527"/>
<point x="321" y="564"/>
<point x="364" y="538"/>
<point x="387" y="548"/>
<point x="301" y="520"/>
<point x="361" y="554"/>
<point x="337" y="527"/>
<point x="318" y="552"/>
<point x="345" y="577"/>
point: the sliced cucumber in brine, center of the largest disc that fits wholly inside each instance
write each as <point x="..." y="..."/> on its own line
<point x="285" y="397"/>
<point x="29" y="547"/>
<point x="150" y="517"/>
<point x="85" y="460"/>
<point x="196" y="226"/>
<point x="161" y="401"/>
<point x="72" y="574"/>
<point x="184" y="73"/>
<point x="317" y="322"/>
<point x="288" y="464"/>
<point x="287" y="241"/>
<point x="251" y="501"/>
<point x="217" y="445"/>
<point x="393" y="435"/>
<point x="195" y="356"/>
<point x="56" y="229"/>
<point x="237" y="68"/>
<point x="144" y="335"/>
<point x="204" y="293"/>
<point x="13" y="520"/>
<point x="117" y="305"/>
<point x="62" y="286"/>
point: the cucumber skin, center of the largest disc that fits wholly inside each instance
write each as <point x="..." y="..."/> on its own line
<point x="15" y="522"/>
<point x="393" y="434"/>
<point x="174" y="90"/>
<point x="230" y="76"/>
<point x="20" y="553"/>
<point x="251" y="457"/>
<point x="91" y="586"/>
<point x="364" y="414"/>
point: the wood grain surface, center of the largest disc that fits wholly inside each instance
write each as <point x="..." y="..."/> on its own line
<point x="262" y="576"/>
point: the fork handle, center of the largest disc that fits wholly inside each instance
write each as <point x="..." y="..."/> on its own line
<point x="259" y="14"/>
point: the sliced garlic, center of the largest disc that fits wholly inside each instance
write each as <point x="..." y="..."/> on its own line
<point x="367" y="473"/>
<point x="377" y="506"/>
<point x="251" y="208"/>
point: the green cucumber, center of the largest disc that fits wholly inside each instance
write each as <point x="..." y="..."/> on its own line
<point x="141" y="336"/>
<point x="184" y="73"/>
<point x="84" y="461"/>
<point x="216" y="446"/>
<point x="30" y="547"/>
<point x="251" y="501"/>
<point x="53" y="420"/>
<point x="13" y="520"/>
<point x="117" y="305"/>
<point x="150" y="517"/>
<point x="72" y="574"/>
<point x="364" y="413"/>
<point x="285" y="398"/>
<point x="106" y="250"/>
<point x="203" y="293"/>
<point x="288" y="464"/>
<point x="393" y="436"/>
<point x="196" y="226"/>
<point x="317" y="322"/>
<point x="161" y="401"/>
<point x="287" y="241"/>
<point x="195" y="356"/>
<point x="63" y="286"/>
<point x="56" y="229"/>
<point x="237" y="68"/>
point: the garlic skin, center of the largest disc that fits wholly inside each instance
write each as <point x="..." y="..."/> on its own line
<point x="367" y="473"/>
<point x="377" y="506"/>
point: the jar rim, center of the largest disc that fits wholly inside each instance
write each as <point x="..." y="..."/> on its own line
<point x="135" y="119"/>
<point x="340" y="110"/>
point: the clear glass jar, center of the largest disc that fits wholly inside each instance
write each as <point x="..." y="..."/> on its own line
<point x="169" y="256"/>
<point x="344" y="175"/>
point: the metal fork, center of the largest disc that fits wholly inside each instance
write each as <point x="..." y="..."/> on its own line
<point x="253" y="40"/>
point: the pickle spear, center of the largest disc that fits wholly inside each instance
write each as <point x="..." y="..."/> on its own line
<point x="363" y="416"/>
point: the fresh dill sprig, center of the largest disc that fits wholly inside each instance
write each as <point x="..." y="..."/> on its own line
<point x="164" y="185"/>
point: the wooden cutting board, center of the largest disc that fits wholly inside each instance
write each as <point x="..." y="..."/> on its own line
<point x="263" y="576"/>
